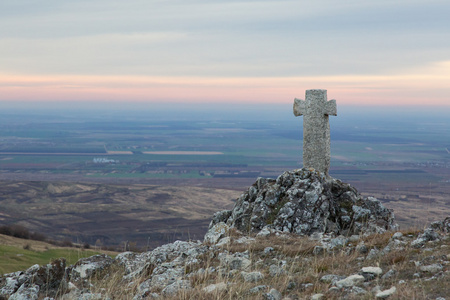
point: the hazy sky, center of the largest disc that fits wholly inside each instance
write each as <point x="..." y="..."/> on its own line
<point x="362" y="52"/>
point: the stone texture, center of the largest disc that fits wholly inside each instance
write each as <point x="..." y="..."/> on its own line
<point x="87" y="267"/>
<point x="350" y="281"/>
<point x="175" y="287"/>
<point x="236" y="261"/>
<point x="434" y="268"/>
<point x="26" y="291"/>
<point x="216" y="232"/>
<point x="386" y="293"/>
<point x="252" y="276"/>
<point x="306" y="202"/>
<point x="372" y="270"/>
<point x="316" y="128"/>
<point x="331" y="278"/>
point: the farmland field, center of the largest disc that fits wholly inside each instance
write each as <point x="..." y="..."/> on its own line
<point x="399" y="157"/>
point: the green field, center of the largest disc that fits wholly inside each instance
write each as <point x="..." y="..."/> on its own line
<point x="14" y="259"/>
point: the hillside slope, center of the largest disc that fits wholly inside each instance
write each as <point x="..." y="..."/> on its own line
<point x="101" y="214"/>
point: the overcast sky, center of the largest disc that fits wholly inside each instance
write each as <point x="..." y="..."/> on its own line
<point x="362" y="52"/>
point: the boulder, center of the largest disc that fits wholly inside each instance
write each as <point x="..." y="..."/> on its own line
<point x="85" y="268"/>
<point x="304" y="202"/>
<point x="386" y="293"/>
<point x="350" y="281"/>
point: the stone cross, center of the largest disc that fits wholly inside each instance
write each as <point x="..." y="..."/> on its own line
<point x="316" y="128"/>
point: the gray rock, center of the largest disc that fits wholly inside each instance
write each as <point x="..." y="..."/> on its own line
<point x="443" y="226"/>
<point x="143" y="290"/>
<point x="276" y="294"/>
<point x="388" y="274"/>
<point x="362" y="248"/>
<point x="334" y="290"/>
<point x="358" y="290"/>
<point x="350" y="281"/>
<point x="134" y="263"/>
<point x="397" y="235"/>
<point x="428" y="235"/>
<point x="234" y="262"/>
<point x="354" y="238"/>
<point x="224" y="241"/>
<point x="275" y="270"/>
<point x="176" y="249"/>
<point x="376" y="271"/>
<point x="166" y="276"/>
<point x="216" y="232"/>
<point x="175" y="287"/>
<point x="268" y="250"/>
<point x="273" y="294"/>
<point x="264" y="232"/>
<point x="373" y="253"/>
<point x="386" y="293"/>
<point x="27" y="291"/>
<point x="252" y="276"/>
<point x="338" y="242"/>
<point x="245" y="240"/>
<point x="50" y="278"/>
<point x="304" y="202"/>
<point x="9" y="286"/>
<point x="257" y="289"/>
<point x="434" y="268"/>
<point x="220" y="216"/>
<point x="86" y="267"/>
<point x="330" y="278"/>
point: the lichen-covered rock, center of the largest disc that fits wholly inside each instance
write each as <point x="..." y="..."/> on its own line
<point x="252" y="276"/>
<point x="175" y="287"/>
<point x="49" y="278"/>
<point x="27" y="291"/>
<point x="304" y="202"/>
<point x="386" y="293"/>
<point x="443" y="226"/>
<point x="216" y="232"/>
<point x="350" y="281"/>
<point x="236" y="261"/>
<point x="87" y="267"/>
<point x="432" y="233"/>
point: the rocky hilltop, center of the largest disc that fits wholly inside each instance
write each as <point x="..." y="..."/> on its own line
<point x="305" y="202"/>
<point x="301" y="236"/>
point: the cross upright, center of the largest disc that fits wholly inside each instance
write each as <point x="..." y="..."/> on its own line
<point x="316" y="128"/>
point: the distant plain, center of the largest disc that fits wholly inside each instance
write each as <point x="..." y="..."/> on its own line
<point x="98" y="162"/>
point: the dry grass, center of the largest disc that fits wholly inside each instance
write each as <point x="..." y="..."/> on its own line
<point x="302" y="270"/>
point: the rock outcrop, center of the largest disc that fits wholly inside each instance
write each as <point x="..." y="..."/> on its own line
<point x="278" y="266"/>
<point x="305" y="202"/>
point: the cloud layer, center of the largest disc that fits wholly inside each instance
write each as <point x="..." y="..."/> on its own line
<point x="224" y="47"/>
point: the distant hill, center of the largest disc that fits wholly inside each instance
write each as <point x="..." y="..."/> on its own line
<point x="111" y="215"/>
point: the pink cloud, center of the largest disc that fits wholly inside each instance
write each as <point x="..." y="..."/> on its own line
<point x="425" y="89"/>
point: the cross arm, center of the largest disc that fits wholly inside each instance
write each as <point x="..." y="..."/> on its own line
<point x="330" y="108"/>
<point x="299" y="107"/>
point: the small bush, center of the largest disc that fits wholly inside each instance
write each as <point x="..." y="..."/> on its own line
<point x="21" y="232"/>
